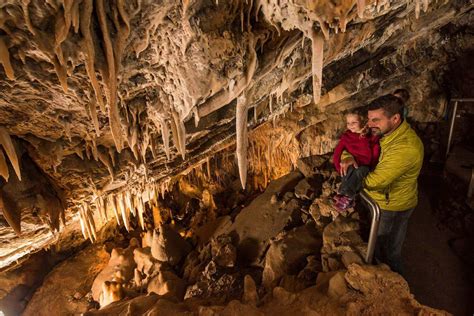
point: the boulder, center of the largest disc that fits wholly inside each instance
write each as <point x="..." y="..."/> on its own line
<point x="223" y="251"/>
<point x="310" y="165"/>
<point x="167" y="284"/>
<point x="168" y="245"/>
<point x="120" y="269"/>
<point x="304" y="190"/>
<point x="73" y="279"/>
<point x="261" y="220"/>
<point x="287" y="255"/>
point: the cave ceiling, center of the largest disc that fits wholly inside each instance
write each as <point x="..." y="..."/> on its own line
<point x="100" y="96"/>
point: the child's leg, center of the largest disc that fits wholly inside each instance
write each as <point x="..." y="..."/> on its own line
<point x="352" y="182"/>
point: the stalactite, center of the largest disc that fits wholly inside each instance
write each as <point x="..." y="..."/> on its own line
<point x="91" y="221"/>
<point x="9" y="147"/>
<point x="26" y="14"/>
<point x="95" y="119"/>
<point x="114" y="116"/>
<point x="83" y="227"/>
<point x="86" y="14"/>
<point x="360" y="8"/>
<point x="133" y="141"/>
<point x="425" y="5"/>
<point x="101" y="207"/>
<point x="61" y="29"/>
<point x="61" y="73"/>
<point x="123" y="210"/>
<point x="3" y="166"/>
<point x="140" y="210"/>
<point x="242" y="138"/>
<point x="417" y="9"/>
<point x="5" y="60"/>
<point x="317" y="49"/>
<point x="112" y="155"/>
<point x="87" y="223"/>
<point x="105" y="159"/>
<point x="112" y="201"/>
<point x="179" y="133"/>
<point x="128" y="202"/>
<point x="10" y="212"/>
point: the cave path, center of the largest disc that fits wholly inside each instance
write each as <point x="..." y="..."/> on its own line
<point x="437" y="277"/>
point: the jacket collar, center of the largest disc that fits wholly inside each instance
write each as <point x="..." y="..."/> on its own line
<point x="400" y="130"/>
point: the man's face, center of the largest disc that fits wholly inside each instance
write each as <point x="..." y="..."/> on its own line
<point x="380" y="124"/>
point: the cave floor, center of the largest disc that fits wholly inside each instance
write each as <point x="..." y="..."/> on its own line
<point x="436" y="276"/>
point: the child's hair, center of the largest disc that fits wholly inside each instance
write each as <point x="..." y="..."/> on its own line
<point x="362" y="120"/>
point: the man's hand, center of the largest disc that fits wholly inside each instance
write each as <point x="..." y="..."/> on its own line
<point x="346" y="163"/>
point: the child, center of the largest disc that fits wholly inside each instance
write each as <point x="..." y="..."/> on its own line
<point x="365" y="149"/>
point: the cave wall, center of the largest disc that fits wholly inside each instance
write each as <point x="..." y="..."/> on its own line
<point x="127" y="95"/>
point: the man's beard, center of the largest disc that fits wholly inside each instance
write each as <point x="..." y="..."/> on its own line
<point x="376" y="131"/>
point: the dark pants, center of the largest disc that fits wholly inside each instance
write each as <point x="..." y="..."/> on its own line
<point x="352" y="182"/>
<point x="391" y="234"/>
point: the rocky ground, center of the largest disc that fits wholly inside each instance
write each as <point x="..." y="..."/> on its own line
<point x="287" y="251"/>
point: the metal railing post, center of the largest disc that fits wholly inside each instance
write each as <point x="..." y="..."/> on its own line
<point x="451" y="127"/>
<point x="374" y="227"/>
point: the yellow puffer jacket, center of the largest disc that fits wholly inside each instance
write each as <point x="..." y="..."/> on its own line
<point x="393" y="183"/>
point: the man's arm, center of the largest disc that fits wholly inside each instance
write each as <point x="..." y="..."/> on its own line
<point x="393" y="165"/>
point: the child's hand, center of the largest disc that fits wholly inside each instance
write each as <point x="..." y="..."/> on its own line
<point x="346" y="163"/>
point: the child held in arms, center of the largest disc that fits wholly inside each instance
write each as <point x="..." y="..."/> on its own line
<point x="365" y="149"/>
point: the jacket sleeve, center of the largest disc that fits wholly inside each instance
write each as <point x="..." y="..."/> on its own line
<point x="337" y="153"/>
<point x="375" y="151"/>
<point x="391" y="167"/>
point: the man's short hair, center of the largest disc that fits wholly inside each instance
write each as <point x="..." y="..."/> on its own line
<point x="390" y="104"/>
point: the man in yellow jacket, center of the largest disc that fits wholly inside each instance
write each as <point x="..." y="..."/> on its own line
<point x="393" y="182"/>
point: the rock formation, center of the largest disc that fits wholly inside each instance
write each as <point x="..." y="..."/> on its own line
<point x="165" y="121"/>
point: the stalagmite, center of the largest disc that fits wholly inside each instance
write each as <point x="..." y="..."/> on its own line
<point x="317" y="49"/>
<point x="3" y="166"/>
<point x="360" y="8"/>
<point x="10" y="212"/>
<point x="9" y="147"/>
<point x="114" y="115"/>
<point x="5" y="60"/>
<point x="242" y="138"/>
<point x="86" y="14"/>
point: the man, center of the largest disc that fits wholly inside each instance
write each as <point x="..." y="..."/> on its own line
<point x="393" y="182"/>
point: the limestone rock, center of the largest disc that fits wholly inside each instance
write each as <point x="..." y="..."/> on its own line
<point x="139" y="305"/>
<point x="309" y="166"/>
<point x="223" y="251"/>
<point x="304" y="190"/>
<point x="168" y="246"/>
<point x="261" y="220"/>
<point x="287" y="254"/>
<point x="72" y="279"/>
<point x="167" y="284"/>
<point x="337" y="285"/>
<point x="120" y="269"/>
<point x="250" y="295"/>
<point x="351" y="257"/>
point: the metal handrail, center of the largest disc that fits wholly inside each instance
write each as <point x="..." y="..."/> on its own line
<point x="374" y="227"/>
